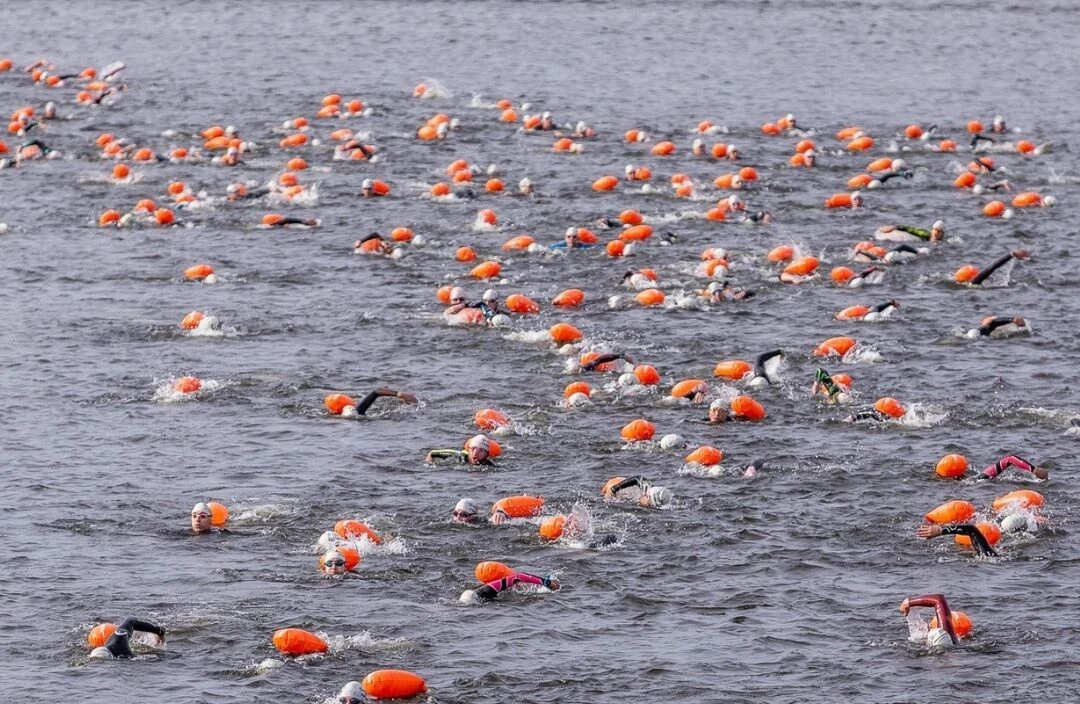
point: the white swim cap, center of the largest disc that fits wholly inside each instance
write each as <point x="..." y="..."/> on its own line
<point x="578" y="399"/>
<point x="938" y="638"/>
<point x="490" y="295"/>
<point x="714" y="287"/>
<point x="366" y="183"/>
<point x="718" y="403"/>
<point x="202" y="509"/>
<point x="457" y="294"/>
<point x="230" y="131"/>
<point x="628" y="379"/>
<point x="469" y="597"/>
<point x="328" y="540"/>
<point x="1049" y="202"/>
<point x="101" y="652"/>
<point x="938" y="225"/>
<point x="1015" y="523"/>
<point x="467" y="506"/>
<point x="351" y="690"/>
<point x="500" y="320"/>
<point x="478" y="441"/>
<point x="670" y="440"/>
<point x="659" y="496"/>
<point x="525" y="185"/>
<point x="898" y="164"/>
<point x="348" y="411"/>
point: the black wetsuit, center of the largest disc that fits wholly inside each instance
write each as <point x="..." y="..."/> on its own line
<point x="993" y="324"/>
<point x="831" y="387"/>
<point x="602" y="359"/>
<point x="994" y="266"/>
<point x="759" y="364"/>
<point x="256" y="193"/>
<point x="978" y="540"/>
<point x="119" y="642"/>
<point x="640" y="482"/>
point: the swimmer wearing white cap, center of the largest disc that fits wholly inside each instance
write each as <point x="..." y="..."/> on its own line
<point x="637" y="489"/>
<point x="475" y="452"/>
<point x="118" y="645"/>
<point x="351" y="693"/>
<point x="332" y="562"/>
<point x="488" y="305"/>
<point x="978" y="541"/>
<point x="201" y="519"/>
<point x="908" y="233"/>
<point x="945" y="634"/>
<point x="467" y="511"/>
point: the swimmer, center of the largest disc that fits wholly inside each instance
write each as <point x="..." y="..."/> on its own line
<point x="239" y="191"/>
<point x="489" y="591"/>
<point x="880" y="179"/>
<point x="365" y="403"/>
<point x="718" y="412"/>
<point x="466" y="511"/>
<point x="201" y="519"/>
<point x="488" y="303"/>
<point x="351" y="693"/>
<point x="753" y="468"/>
<point x="1012" y="461"/>
<point x="871" y="315"/>
<point x="373" y="244"/>
<point x="638" y="280"/>
<point x="999" y="327"/>
<point x="978" y="540"/>
<point x="765" y="367"/>
<point x="637" y="489"/>
<point x="606" y="363"/>
<point x="277" y="220"/>
<point x="997" y="264"/>
<point x="904" y="252"/>
<point x="719" y="291"/>
<point x="758" y="217"/>
<point x="475" y="452"/>
<point x="488" y="307"/>
<point x="118" y="645"/>
<point x="944" y="634"/>
<point x="869" y="276"/>
<point x="909" y="233"/>
<point x="1002" y="185"/>
<point x="570" y="241"/>
<point x="333" y="562"/>
<point x="825" y="385"/>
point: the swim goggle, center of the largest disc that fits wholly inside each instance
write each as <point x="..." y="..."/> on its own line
<point x="337" y="562"/>
<point x="463" y="514"/>
<point x="350" y="700"/>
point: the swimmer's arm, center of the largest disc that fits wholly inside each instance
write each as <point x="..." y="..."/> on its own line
<point x="912" y="230"/>
<point x="978" y="541"/>
<point x="456" y="308"/>
<point x="364" y="404"/>
<point x="941" y="609"/>
<point x="871" y="414"/>
<point x="640" y="482"/>
<point x="602" y="359"/>
<point x="905" y="248"/>
<point x="446" y="454"/>
<point x="994" y="266"/>
<point x="994" y="324"/>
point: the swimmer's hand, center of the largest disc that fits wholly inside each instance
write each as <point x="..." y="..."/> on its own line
<point x="498" y="518"/>
<point x="551" y="583"/>
<point x="904" y="607"/>
<point x="1021" y="254"/>
<point x="406" y="397"/>
<point x="429" y="459"/>
<point x="928" y="532"/>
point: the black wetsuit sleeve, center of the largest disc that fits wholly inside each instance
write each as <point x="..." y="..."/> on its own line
<point x="978" y="541"/>
<point x="871" y="414"/>
<point x="905" y="248"/>
<point x="759" y="363"/>
<point x="365" y="403"/>
<point x="487" y="593"/>
<point x="640" y="482"/>
<point x="987" y="328"/>
<point x="119" y="642"/>
<point x="602" y="359"/>
<point x="985" y="273"/>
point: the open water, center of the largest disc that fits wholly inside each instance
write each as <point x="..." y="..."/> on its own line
<point x="781" y="588"/>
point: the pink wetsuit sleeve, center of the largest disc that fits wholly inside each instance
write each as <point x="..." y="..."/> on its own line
<point x="506" y="582"/>
<point x="941" y="610"/>
<point x="1006" y="462"/>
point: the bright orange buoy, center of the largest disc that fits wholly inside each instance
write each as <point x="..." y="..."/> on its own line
<point x="860" y="144"/>
<point x="490" y="419"/>
<point x="663" y="148"/>
<point x="192" y="320"/>
<point x="637" y="430"/>
<point x="841" y="275"/>
<point x="630" y="217"/>
<point x="164" y="216"/>
<point x="521" y="304"/>
<point x="961" y="623"/>
<point x="650" y="297"/>
<point x="966" y="273"/>
<point x="519" y="506"/>
<point x="402" y="234"/>
<point x="109" y="217"/>
<point x="964" y="180"/>
<point x="843" y="200"/>
<point x="351" y="528"/>
<point x="853" y="312"/>
<point x="859" y="181"/>
<point x="552" y="527"/>
<point x="121" y="171"/>
<point x="746" y="408"/>
<point x="564" y="333"/>
<point x="1021" y="498"/>
<point x="890" y="406"/>
<point x="1027" y="199"/>
<point x="518" y="243"/>
<point x="464" y="254"/>
<point x="219" y="513"/>
<point x="336" y="403"/>
<point x="994" y="209"/>
<point x="803" y="266"/>
<point x="1025" y="146"/>
<point x="947" y="145"/>
<point x="636" y="233"/>
<point x="605" y="183"/>
<point x="491" y="570"/>
<point x="99" y="634"/>
<point x="781" y="253"/>
<point x="733" y="369"/>
<point x="297" y="641"/>
<point x="748" y="173"/>
<point x="188" y="384"/>
<point x="615" y="248"/>
<point x="688" y="388"/>
<point x="486" y="270"/>
<point x="577" y="387"/>
<point x="974" y="127"/>
<point x="198" y="272"/>
<point x="705" y="455"/>
<point x="647" y="375"/>
<point x="955" y="511"/>
<point x="952" y="466"/>
<point x="570" y="298"/>
<point x="989" y="531"/>
<point x="835" y="345"/>
<point x="913" y="131"/>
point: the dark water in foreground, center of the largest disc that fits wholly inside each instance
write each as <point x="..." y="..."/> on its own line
<point x="782" y="588"/>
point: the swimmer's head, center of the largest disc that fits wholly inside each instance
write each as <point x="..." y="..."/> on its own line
<point x="714" y="287"/>
<point x="469" y="597"/>
<point x="490" y="295"/>
<point x="937" y="230"/>
<point x="659" y="496"/>
<point x="525" y="186"/>
<point x="1015" y="523"/>
<point x="1041" y="472"/>
<point x="333" y="562"/>
<point x="351" y="693"/>
<point x="718" y="412"/>
<point x="457" y="295"/>
<point x="201" y="521"/>
<point x="465" y="511"/>
<point x="1049" y="202"/>
<point x="571" y="236"/>
<point x="938" y="638"/>
<point x="102" y="653"/>
<point x="477" y="447"/>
